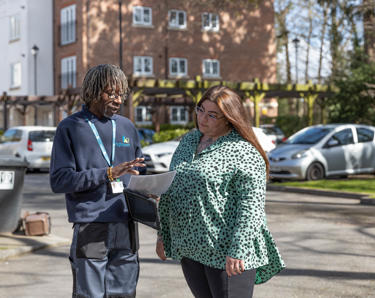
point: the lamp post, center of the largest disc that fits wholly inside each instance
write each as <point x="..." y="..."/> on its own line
<point x="296" y="44"/>
<point x="34" y="52"/>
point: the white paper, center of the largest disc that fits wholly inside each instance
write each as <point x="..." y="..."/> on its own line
<point x="151" y="184"/>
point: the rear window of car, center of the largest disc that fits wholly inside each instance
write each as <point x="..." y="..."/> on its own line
<point x="364" y="135"/>
<point x="311" y="135"/>
<point x="42" y="136"/>
<point x="272" y="130"/>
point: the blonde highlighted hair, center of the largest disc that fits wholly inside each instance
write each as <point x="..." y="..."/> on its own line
<point x="231" y="106"/>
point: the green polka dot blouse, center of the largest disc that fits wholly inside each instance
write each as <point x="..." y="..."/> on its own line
<point x="215" y="206"/>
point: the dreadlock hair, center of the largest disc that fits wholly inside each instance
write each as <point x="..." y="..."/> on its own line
<point x="100" y="77"/>
<point x="231" y="106"/>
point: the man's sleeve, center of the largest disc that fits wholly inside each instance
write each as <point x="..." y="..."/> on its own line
<point x="138" y="153"/>
<point x="64" y="177"/>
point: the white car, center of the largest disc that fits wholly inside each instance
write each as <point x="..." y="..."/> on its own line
<point x="158" y="156"/>
<point x="30" y="143"/>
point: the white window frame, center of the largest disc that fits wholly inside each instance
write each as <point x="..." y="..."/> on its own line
<point x="14" y="27"/>
<point x="146" y="111"/>
<point x="178" y="73"/>
<point x="208" y="72"/>
<point x="141" y="11"/>
<point x="68" y="72"/>
<point x="15" y="75"/>
<point x="175" y="22"/>
<point x="210" y="26"/>
<point x="68" y="25"/>
<point x="142" y="60"/>
<point x="180" y="110"/>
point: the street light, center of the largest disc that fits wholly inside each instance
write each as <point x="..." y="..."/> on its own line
<point x="34" y="52"/>
<point x="296" y="44"/>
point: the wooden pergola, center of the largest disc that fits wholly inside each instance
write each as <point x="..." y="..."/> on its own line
<point x="168" y="89"/>
<point x="254" y="90"/>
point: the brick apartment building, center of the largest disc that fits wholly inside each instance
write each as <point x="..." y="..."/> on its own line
<point x="164" y="39"/>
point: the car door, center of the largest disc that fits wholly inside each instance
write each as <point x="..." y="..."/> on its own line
<point x="366" y="144"/>
<point x="340" y="153"/>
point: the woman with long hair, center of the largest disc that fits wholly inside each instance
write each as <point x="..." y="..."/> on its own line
<point x="213" y="216"/>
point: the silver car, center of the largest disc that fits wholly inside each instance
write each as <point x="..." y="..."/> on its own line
<point x="30" y="143"/>
<point x="321" y="151"/>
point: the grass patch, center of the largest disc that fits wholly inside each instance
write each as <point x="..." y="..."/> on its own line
<point x="363" y="186"/>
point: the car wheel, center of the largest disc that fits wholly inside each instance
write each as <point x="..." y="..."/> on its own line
<point x="315" y="171"/>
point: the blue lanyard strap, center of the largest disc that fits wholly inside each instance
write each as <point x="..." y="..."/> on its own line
<point x="100" y="142"/>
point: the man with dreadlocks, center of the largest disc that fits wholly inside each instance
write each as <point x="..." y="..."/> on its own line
<point x="94" y="153"/>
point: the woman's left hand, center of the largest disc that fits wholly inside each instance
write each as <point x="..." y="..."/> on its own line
<point x="234" y="266"/>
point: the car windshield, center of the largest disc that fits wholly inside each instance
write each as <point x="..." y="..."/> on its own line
<point x="311" y="135"/>
<point x="42" y="135"/>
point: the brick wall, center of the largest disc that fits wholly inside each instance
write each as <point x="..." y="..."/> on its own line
<point x="244" y="44"/>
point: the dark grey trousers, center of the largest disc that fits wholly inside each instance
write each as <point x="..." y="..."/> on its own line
<point x="103" y="262"/>
<point x="208" y="282"/>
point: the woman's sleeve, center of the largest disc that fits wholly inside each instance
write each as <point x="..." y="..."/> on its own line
<point x="164" y="224"/>
<point x="248" y="189"/>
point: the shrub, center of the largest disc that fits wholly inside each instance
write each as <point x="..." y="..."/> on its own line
<point x="290" y="124"/>
<point x="168" y="126"/>
<point x="167" y="135"/>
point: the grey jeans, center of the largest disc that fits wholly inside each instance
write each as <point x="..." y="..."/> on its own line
<point x="103" y="262"/>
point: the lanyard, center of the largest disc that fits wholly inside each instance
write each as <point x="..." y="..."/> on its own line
<point x="100" y="142"/>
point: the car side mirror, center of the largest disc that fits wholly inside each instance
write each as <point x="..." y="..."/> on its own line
<point x="332" y="143"/>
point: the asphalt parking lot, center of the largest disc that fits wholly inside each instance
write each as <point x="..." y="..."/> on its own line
<point x="327" y="244"/>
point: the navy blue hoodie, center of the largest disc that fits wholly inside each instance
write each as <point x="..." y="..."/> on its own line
<point x="79" y="169"/>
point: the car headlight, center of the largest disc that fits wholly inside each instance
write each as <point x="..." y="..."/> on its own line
<point x="300" y="154"/>
<point x="163" y="154"/>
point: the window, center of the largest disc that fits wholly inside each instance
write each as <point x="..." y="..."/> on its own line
<point x="142" y="16"/>
<point x="14" y="27"/>
<point x="177" y="19"/>
<point x="364" y="135"/>
<point x="68" y="72"/>
<point x="143" y="115"/>
<point x="15" y="75"/>
<point x="12" y="135"/>
<point x="42" y="135"/>
<point x="179" y="115"/>
<point x="210" y="21"/>
<point x="177" y="66"/>
<point x="142" y="65"/>
<point x="211" y="68"/>
<point x="68" y="24"/>
<point x="344" y="137"/>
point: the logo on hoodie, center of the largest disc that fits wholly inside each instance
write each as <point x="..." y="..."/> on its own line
<point x="125" y="142"/>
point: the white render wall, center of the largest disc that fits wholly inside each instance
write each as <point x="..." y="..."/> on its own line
<point x="36" y="28"/>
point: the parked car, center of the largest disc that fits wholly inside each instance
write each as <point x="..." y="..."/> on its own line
<point x="158" y="156"/>
<point x="274" y="132"/>
<point x="145" y="135"/>
<point x="30" y="143"/>
<point x="321" y="151"/>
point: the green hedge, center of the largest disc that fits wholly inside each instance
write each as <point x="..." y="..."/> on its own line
<point x="290" y="124"/>
<point x="167" y="135"/>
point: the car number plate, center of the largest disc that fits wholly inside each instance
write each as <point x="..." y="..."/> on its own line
<point x="46" y="158"/>
<point x="6" y="179"/>
<point x="275" y="169"/>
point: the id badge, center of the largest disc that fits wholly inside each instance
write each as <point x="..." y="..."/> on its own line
<point x="117" y="187"/>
